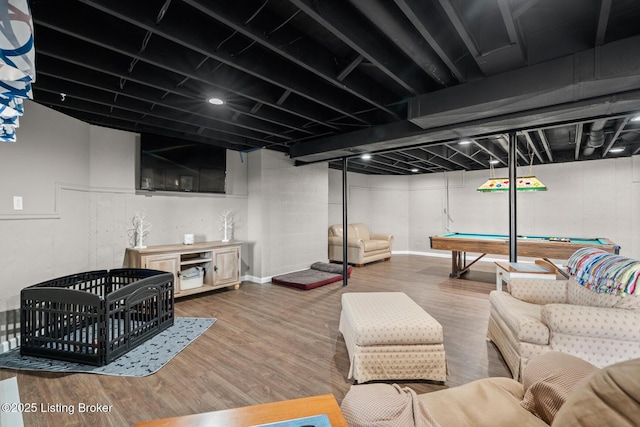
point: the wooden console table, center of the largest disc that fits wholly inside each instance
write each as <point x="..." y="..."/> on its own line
<point x="219" y="263"/>
<point x="259" y="414"/>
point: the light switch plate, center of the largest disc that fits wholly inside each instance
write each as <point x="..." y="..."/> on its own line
<point x="17" y="203"/>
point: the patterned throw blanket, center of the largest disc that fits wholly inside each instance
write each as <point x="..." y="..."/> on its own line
<point x="603" y="272"/>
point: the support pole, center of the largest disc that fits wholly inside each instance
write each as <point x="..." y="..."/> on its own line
<point x="513" y="184"/>
<point x="345" y="224"/>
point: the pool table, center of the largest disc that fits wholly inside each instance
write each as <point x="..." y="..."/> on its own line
<point x="527" y="246"/>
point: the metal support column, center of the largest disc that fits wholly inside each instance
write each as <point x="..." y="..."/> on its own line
<point x="345" y="224"/>
<point x="513" y="184"/>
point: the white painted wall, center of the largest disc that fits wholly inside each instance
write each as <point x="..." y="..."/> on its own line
<point x="358" y="197"/>
<point x="113" y="157"/>
<point x="78" y="186"/>
<point x="585" y="199"/>
<point x="387" y="204"/>
<point x="39" y="241"/>
<point x="287" y="214"/>
<point x="255" y="220"/>
<point x="77" y="183"/>
<point x="427" y="207"/>
<point x="599" y="198"/>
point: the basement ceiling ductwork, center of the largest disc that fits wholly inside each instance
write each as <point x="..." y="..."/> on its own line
<point x="596" y="137"/>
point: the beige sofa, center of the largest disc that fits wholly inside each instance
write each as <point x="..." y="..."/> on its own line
<point x="559" y="390"/>
<point x="362" y="246"/>
<point x="537" y="315"/>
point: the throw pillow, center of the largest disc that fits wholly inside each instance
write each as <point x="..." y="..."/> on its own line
<point x="549" y="379"/>
<point x="611" y="397"/>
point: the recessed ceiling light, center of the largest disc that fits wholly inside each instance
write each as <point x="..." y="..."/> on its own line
<point x="617" y="150"/>
<point x="216" y="101"/>
<point x="494" y="161"/>
<point x="465" y="142"/>
<point x="414" y="170"/>
<point x="365" y="156"/>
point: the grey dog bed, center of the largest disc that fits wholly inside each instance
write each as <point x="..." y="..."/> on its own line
<point x="319" y="274"/>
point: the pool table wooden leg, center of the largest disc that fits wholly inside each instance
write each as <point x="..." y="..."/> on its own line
<point x="456" y="260"/>
<point x="459" y="264"/>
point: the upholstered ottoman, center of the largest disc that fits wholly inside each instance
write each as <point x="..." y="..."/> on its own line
<point x="390" y="337"/>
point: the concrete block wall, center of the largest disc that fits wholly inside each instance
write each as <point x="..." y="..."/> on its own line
<point x="287" y="214"/>
<point x="381" y="202"/>
<point x="78" y="187"/>
<point x="598" y="198"/>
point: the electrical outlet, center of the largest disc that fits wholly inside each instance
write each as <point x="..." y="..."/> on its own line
<point x="17" y="203"/>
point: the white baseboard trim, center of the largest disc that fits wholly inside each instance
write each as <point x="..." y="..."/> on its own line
<point x="9" y="344"/>
<point x="254" y="279"/>
<point x="432" y="254"/>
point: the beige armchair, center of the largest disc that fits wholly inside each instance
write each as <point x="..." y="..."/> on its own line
<point x="539" y="315"/>
<point x="362" y="247"/>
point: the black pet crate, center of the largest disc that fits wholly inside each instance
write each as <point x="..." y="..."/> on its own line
<point x="95" y="317"/>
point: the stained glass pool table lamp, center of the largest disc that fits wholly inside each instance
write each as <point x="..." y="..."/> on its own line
<point x="524" y="183"/>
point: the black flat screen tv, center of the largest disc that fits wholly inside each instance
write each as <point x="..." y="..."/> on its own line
<point x="170" y="164"/>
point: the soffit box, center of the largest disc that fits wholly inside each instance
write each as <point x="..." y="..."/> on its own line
<point x="592" y="74"/>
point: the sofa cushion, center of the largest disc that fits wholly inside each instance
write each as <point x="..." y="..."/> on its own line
<point x="336" y="230"/>
<point x="611" y="397"/>
<point x="579" y="295"/>
<point x="522" y="318"/>
<point x="549" y="379"/>
<point x="538" y="291"/>
<point x="384" y="405"/>
<point x="374" y="245"/>
<point x="360" y="230"/>
<point x="489" y="402"/>
<point x="593" y="322"/>
<point x="629" y="302"/>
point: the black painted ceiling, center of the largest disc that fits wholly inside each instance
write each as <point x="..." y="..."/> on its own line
<point x="320" y="80"/>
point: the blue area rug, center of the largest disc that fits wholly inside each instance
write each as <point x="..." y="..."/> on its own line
<point x="143" y="360"/>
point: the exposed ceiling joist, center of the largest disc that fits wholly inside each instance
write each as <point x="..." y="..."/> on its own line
<point x="321" y="80"/>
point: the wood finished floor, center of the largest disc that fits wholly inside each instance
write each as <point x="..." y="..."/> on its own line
<point x="274" y="343"/>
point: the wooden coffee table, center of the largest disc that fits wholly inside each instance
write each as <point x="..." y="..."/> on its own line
<point x="259" y="414"/>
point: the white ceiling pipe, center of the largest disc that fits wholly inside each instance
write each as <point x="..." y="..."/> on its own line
<point x="596" y="137"/>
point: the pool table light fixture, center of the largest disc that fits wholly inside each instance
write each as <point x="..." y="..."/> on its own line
<point x="525" y="183"/>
